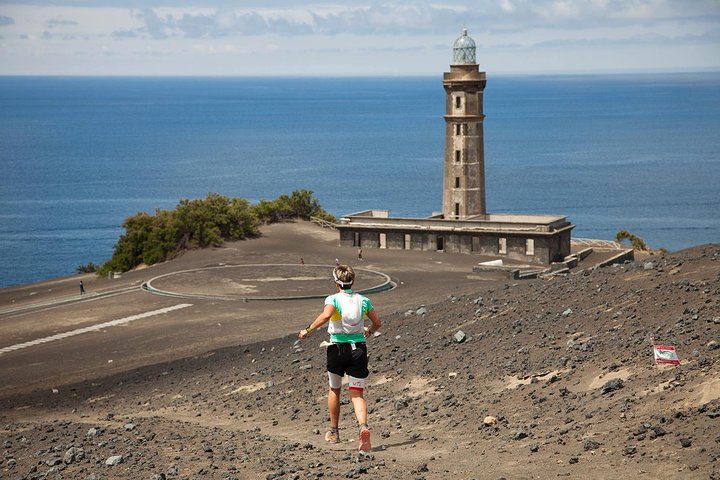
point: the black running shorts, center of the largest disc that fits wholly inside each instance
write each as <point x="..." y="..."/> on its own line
<point x="342" y="359"/>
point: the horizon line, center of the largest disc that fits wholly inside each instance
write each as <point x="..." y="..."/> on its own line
<point x="376" y="75"/>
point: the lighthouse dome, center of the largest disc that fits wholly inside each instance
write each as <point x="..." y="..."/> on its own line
<point x="464" y="50"/>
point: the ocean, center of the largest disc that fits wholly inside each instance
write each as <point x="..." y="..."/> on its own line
<point x="78" y="155"/>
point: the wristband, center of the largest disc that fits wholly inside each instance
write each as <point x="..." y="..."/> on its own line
<point x="308" y="329"/>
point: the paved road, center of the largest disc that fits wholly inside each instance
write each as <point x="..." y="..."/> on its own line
<point x="50" y="336"/>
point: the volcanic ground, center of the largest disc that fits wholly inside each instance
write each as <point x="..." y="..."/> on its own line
<point x="513" y="379"/>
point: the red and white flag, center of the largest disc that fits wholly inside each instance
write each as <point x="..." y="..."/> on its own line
<point x="666" y="354"/>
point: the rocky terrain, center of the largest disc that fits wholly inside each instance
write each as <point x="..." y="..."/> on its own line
<point x="527" y="379"/>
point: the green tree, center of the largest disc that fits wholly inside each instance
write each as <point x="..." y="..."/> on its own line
<point x="128" y="251"/>
<point x="265" y="211"/>
<point x="243" y="223"/>
<point x="162" y="241"/>
<point x="201" y="223"/>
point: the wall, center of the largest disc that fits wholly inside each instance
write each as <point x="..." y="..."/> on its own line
<point x="548" y="248"/>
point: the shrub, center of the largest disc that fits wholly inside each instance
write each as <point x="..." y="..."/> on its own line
<point x="89" y="268"/>
<point x="202" y="223"/>
<point x="636" y="242"/>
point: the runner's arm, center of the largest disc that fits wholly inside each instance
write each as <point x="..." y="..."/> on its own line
<point x="321" y="320"/>
<point x="376" y="324"/>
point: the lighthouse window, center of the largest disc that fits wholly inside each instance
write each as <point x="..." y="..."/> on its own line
<point x="457" y="210"/>
<point x="458" y="102"/>
<point x="457" y="155"/>
<point x="457" y="182"/>
<point x="457" y="129"/>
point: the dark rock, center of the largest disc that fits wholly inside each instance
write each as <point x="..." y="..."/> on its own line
<point x="590" y="444"/>
<point x="612" y="385"/>
<point x="658" y="431"/>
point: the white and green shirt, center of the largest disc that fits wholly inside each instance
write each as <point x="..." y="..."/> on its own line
<point x="347" y="324"/>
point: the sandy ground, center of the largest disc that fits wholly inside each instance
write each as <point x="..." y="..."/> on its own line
<point x="551" y="377"/>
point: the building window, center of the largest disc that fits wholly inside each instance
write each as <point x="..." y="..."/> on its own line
<point x="440" y="244"/>
<point x="502" y="246"/>
<point x="457" y="129"/>
<point x="457" y="182"/>
<point x="457" y="155"/>
<point x="458" y="101"/>
<point x="457" y="210"/>
<point x="529" y="246"/>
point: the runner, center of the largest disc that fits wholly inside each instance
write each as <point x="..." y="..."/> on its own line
<point x="347" y="352"/>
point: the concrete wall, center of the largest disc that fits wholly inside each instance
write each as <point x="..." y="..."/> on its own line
<point x="369" y="239"/>
<point x="547" y="248"/>
<point x="347" y="238"/>
<point x="395" y="240"/>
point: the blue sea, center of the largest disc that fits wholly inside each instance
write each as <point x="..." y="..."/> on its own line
<point x="79" y="155"/>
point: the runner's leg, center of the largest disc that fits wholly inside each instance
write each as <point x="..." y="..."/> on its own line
<point x="359" y="404"/>
<point x="334" y="406"/>
<point x="358" y="400"/>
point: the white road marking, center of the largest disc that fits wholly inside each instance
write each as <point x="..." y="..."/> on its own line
<point x="54" y="302"/>
<point x="93" y="328"/>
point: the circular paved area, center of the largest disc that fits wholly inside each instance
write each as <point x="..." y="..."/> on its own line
<point x="260" y="282"/>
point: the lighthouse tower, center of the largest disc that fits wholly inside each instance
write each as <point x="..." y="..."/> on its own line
<point x="464" y="172"/>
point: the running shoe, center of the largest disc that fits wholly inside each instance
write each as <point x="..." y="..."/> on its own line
<point x="364" y="439"/>
<point x="332" y="436"/>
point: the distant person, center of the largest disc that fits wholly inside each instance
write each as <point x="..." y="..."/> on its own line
<point x="82" y="288"/>
<point x="359" y="253"/>
<point x="347" y="351"/>
<point x="337" y="262"/>
<point x="302" y="261"/>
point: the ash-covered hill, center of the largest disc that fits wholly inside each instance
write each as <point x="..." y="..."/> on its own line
<point x="532" y="379"/>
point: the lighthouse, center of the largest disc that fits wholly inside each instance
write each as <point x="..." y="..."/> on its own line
<point x="463" y="225"/>
<point x="464" y="165"/>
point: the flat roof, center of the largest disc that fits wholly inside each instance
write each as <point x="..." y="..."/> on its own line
<point x="379" y="219"/>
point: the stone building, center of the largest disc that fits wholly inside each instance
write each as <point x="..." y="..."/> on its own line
<point x="464" y="226"/>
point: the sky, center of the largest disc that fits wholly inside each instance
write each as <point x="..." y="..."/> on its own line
<point x="354" y="38"/>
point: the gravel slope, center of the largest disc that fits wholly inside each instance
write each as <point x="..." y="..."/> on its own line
<point x="534" y="379"/>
